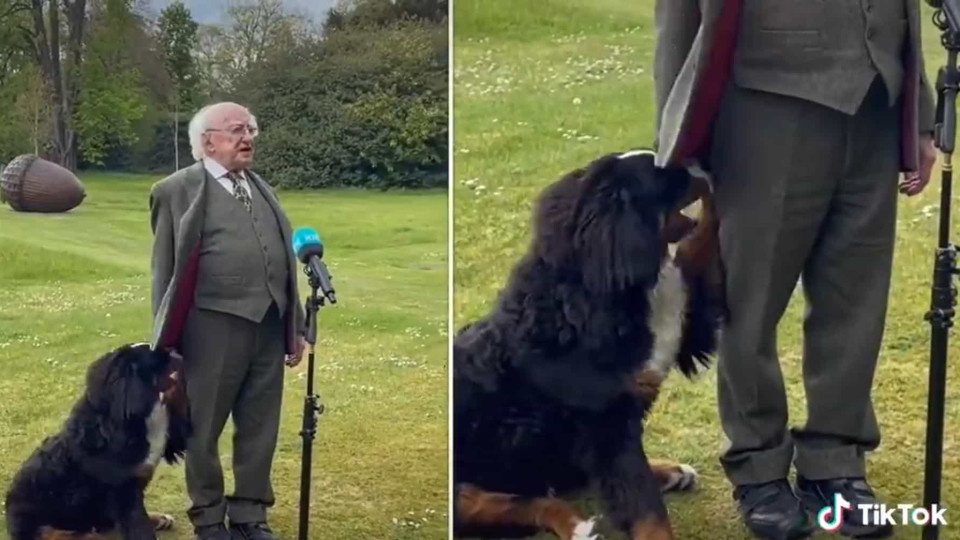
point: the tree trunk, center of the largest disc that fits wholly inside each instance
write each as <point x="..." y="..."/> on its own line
<point x="176" y="135"/>
<point x="36" y="125"/>
<point x="62" y="84"/>
<point x="76" y="16"/>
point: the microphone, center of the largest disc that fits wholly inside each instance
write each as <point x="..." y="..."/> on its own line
<point x="309" y="250"/>
<point x="950" y="8"/>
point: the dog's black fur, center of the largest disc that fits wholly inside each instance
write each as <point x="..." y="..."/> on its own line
<point x="542" y="398"/>
<point x="86" y="478"/>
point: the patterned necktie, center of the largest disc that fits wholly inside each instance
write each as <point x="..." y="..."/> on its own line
<point x="239" y="191"/>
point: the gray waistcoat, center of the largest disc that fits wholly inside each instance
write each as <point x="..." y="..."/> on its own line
<point x="826" y="51"/>
<point x="243" y="263"/>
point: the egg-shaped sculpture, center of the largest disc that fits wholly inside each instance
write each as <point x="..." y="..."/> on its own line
<point x="32" y="184"/>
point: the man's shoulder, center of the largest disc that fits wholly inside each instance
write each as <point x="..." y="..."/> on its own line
<point x="165" y="187"/>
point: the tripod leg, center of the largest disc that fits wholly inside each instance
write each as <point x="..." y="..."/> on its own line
<point x="940" y="316"/>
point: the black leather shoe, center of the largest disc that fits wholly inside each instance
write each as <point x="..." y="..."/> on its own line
<point x="251" y="531"/>
<point x="211" y="532"/>
<point x="816" y="494"/>
<point x="772" y="511"/>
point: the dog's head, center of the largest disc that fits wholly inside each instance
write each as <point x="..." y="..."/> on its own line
<point x="609" y="220"/>
<point x="127" y="383"/>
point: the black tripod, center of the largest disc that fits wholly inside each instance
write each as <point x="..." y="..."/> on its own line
<point x="944" y="293"/>
<point x="312" y="407"/>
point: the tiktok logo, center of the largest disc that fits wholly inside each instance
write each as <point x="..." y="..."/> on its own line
<point x="830" y="518"/>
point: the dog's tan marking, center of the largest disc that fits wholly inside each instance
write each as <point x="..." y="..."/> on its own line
<point x="483" y="508"/>
<point x="673" y="476"/>
<point x="49" y="533"/>
<point x="646" y="384"/>
<point x="678" y="226"/>
<point x="144" y="472"/>
<point x="698" y="253"/>
<point x="652" y="529"/>
<point x="161" y="522"/>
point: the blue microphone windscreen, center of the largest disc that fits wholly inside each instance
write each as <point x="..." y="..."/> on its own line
<point x="305" y="236"/>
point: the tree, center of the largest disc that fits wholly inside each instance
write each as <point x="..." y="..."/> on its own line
<point x="256" y="29"/>
<point x="178" y="37"/>
<point x="33" y="108"/>
<point x="365" y="106"/>
<point x="112" y="96"/>
<point x="26" y="119"/>
<point x="61" y="69"/>
<point x="378" y="13"/>
<point x="14" y="54"/>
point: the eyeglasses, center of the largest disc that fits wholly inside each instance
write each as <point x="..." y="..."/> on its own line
<point x="239" y="131"/>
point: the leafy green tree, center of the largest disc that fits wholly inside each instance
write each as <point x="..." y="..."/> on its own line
<point x="60" y="61"/>
<point x="365" y="106"/>
<point x="112" y="99"/>
<point x="178" y="38"/>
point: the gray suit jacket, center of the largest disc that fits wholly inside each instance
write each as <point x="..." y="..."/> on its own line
<point x="177" y="206"/>
<point x="694" y="56"/>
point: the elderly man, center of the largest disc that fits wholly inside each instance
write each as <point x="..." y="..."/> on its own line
<point x="813" y="108"/>
<point x="225" y="297"/>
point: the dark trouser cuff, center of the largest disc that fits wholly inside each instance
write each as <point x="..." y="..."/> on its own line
<point x="205" y="516"/>
<point x="246" y="511"/>
<point x="826" y="463"/>
<point x="758" y="466"/>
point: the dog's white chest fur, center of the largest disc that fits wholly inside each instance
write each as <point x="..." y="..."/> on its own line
<point x="667" y="305"/>
<point x="157" y="424"/>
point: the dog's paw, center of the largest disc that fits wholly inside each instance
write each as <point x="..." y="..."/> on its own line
<point x="683" y="478"/>
<point x="162" y="522"/>
<point x="585" y="530"/>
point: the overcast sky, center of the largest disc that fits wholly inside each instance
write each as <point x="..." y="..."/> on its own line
<point x="212" y="11"/>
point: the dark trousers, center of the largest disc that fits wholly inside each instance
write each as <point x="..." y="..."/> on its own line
<point x="232" y="366"/>
<point x="803" y="193"/>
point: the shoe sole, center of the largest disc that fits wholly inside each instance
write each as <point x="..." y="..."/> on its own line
<point x="759" y="531"/>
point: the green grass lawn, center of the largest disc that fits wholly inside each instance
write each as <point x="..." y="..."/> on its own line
<point x="546" y="88"/>
<point x="76" y="285"/>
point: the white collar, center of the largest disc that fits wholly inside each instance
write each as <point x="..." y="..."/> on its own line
<point x="216" y="169"/>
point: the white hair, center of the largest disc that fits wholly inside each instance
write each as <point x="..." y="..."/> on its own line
<point x="199" y="124"/>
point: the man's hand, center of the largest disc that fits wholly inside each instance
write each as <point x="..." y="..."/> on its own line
<point x="293" y="359"/>
<point x="913" y="183"/>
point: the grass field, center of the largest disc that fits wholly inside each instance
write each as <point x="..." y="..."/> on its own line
<point x="546" y="88"/>
<point x="77" y="284"/>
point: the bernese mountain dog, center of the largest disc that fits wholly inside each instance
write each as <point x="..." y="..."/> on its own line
<point x="551" y="388"/>
<point x="88" y="480"/>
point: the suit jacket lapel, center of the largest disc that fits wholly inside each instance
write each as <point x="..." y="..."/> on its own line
<point x="191" y="223"/>
<point x="699" y="87"/>
<point x="188" y="228"/>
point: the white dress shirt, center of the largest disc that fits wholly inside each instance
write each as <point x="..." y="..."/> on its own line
<point x="219" y="172"/>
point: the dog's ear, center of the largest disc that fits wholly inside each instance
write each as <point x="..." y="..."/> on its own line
<point x="617" y="237"/>
<point x="115" y="387"/>
<point x="557" y="209"/>
<point x="618" y="249"/>
<point x="100" y="377"/>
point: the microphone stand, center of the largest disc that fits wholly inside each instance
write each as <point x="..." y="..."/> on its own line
<point x="312" y="407"/>
<point x="944" y="293"/>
